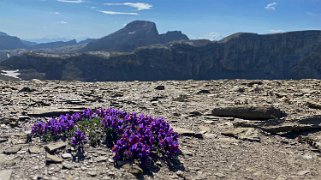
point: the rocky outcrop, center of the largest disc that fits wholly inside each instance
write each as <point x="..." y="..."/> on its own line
<point x="133" y="35"/>
<point x="172" y="36"/>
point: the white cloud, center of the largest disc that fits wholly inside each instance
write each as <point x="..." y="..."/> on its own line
<point x="71" y="1"/>
<point x="118" y="13"/>
<point x="137" y="6"/>
<point x="62" y="22"/>
<point x="313" y="14"/>
<point x="213" y="36"/>
<point x="271" y="6"/>
<point x="55" y="13"/>
<point x="276" y="31"/>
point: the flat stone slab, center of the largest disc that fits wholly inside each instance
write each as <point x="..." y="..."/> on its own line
<point x="8" y="160"/>
<point x="12" y="150"/>
<point x="249" y="112"/>
<point x="249" y="134"/>
<point x="49" y="112"/>
<point x="187" y="132"/>
<point x="302" y="124"/>
<point x="6" y="174"/>
<point x="34" y="150"/>
<point x="53" y="112"/>
<point x="53" y="159"/>
<point x="52" y="147"/>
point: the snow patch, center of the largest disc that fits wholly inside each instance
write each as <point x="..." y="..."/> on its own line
<point x="11" y="73"/>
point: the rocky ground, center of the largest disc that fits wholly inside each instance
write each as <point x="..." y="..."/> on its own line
<point x="233" y="129"/>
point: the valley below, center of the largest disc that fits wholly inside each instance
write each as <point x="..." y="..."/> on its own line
<point x="229" y="129"/>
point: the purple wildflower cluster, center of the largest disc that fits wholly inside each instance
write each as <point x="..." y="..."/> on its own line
<point x="56" y="127"/>
<point x="132" y="136"/>
<point x="139" y="136"/>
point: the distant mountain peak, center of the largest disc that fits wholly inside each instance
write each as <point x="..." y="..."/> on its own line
<point x="135" y="34"/>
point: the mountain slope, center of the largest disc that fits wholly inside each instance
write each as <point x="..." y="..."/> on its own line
<point x="8" y="42"/>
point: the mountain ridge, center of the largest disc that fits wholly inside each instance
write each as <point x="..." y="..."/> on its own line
<point x="293" y="55"/>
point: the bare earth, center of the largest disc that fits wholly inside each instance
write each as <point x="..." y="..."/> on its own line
<point x="213" y="147"/>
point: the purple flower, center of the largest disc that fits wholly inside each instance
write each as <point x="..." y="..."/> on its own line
<point x="79" y="138"/>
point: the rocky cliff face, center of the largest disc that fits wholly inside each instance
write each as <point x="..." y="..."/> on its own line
<point x="133" y="35"/>
<point x="291" y="55"/>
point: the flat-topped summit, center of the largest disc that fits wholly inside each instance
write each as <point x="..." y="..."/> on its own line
<point x="141" y="25"/>
<point x="133" y="35"/>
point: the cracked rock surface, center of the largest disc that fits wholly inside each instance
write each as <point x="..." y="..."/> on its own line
<point x="229" y="129"/>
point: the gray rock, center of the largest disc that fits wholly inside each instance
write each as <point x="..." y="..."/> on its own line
<point x="249" y="134"/>
<point x="238" y="89"/>
<point x="92" y="173"/>
<point x="302" y="173"/>
<point x="301" y="124"/>
<point x="23" y="118"/>
<point x="66" y="156"/>
<point x="204" y="129"/>
<point x="160" y="87"/>
<point x="34" y="150"/>
<point x="187" y="132"/>
<point x="204" y="91"/>
<point x="26" y="89"/>
<point x="12" y="150"/>
<point x="53" y="159"/>
<point x="6" y="174"/>
<point x="102" y="159"/>
<point x="249" y="112"/>
<point x="195" y="113"/>
<point x="133" y="169"/>
<point x="52" y="112"/>
<point x="219" y="175"/>
<point x="55" y="146"/>
<point x="8" y="161"/>
<point x="252" y="123"/>
<point x="67" y="165"/>
<point x="3" y="140"/>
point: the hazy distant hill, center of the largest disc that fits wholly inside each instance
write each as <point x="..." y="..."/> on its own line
<point x="291" y="55"/>
<point x="10" y="42"/>
<point x="133" y="35"/>
<point x="57" y="44"/>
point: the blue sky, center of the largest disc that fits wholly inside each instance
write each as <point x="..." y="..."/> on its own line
<point x="212" y="19"/>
